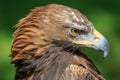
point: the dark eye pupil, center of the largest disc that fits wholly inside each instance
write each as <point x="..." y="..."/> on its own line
<point x="76" y="31"/>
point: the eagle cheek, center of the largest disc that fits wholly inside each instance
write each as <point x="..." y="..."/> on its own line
<point x="97" y="42"/>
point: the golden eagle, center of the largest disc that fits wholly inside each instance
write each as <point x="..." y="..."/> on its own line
<point x="47" y="45"/>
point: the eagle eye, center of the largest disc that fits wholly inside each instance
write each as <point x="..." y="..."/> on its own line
<point x="75" y="32"/>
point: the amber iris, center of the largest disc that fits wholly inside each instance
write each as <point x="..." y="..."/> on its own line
<point x="74" y="32"/>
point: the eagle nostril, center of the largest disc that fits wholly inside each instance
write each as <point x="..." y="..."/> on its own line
<point x="96" y="39"/>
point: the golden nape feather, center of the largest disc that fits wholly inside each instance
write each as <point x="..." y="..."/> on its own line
<point x="47" y="45"/>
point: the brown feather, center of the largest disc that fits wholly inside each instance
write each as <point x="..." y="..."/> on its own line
<point x="42" y="50"/>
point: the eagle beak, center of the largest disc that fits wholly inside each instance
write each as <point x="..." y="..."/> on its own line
<point x="99" y="42"/>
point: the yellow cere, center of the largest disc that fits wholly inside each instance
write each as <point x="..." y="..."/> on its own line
<point x="97" y="35"/>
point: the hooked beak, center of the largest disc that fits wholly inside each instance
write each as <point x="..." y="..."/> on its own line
<point x="99" y="42"/>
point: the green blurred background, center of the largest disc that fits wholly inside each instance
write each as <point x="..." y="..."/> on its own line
<point x="104" y="14"/>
